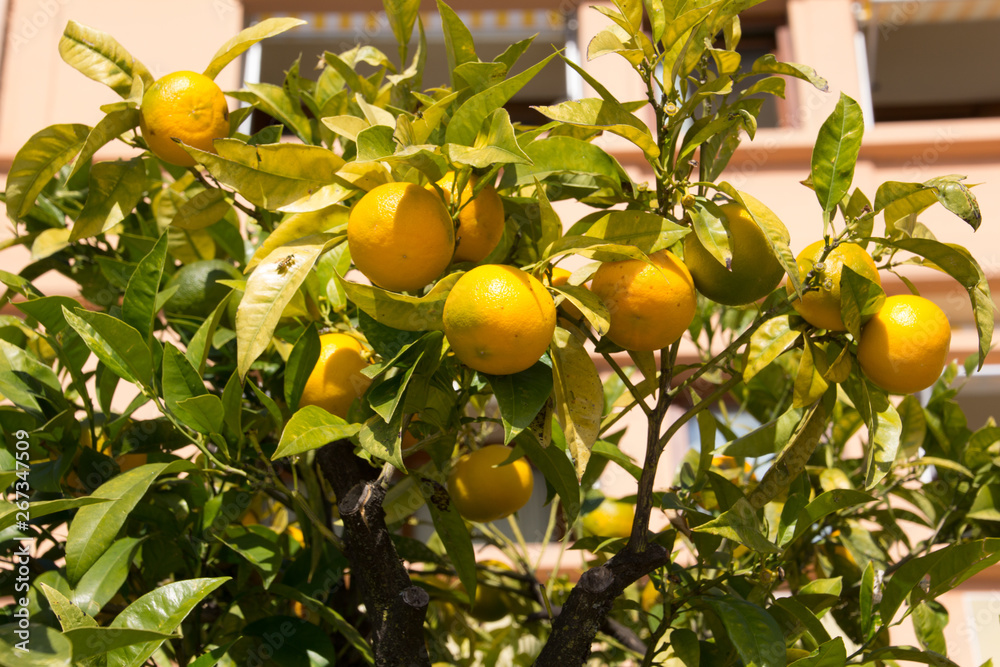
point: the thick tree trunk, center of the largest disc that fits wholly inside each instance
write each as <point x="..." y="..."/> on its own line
<point x="395" y="606"/>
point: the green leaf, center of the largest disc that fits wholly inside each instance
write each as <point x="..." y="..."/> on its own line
<point x="310" y="428"/>
<point x="279" y="177"/>
<point x="247" y="38"/>
<point x="452" y="532"/>
<point x="578" y="394"/>
<point x="458" y="43"/>
<point x="825" y="504"/>
<point x="755" y="634"/>
<point x="860" y="298"/>
<point x="22" y="377"/>
<point x="204" y="413"/>
<point x="46" y="647"/>
<point x="836" y="153"/>
<point x="909" y="654"/>
<point x="557" y="469"/>
<point x="929" y="622"/>
<point x="604" y="115"/>
<point x="767" y="343"/>
<point x="180" y="379"/>
<point x="809" y="381"/>
<point x="986" y="506"/>
<point x="122" y="349"/>
<point x="115" y="188"/>
<point x="832" y="653"/>
<point x="299" y="225"/>
<point x="400" y="311"/>
<point x="657" y="17"/>
<point x="558" y="155"/>
<point x="646" y="231"/>
<point x="300" y="365"/>
<point x="468" y="119"/>
<point x="109" y="128"/>
<point x="330" y="616"/>
<point x="8" y="516"/>
<point x="774" y="231"/>
<point x="769" y="438"/>
<point x="70" y="616"/>
<point x="35" y="163"/>
<point x="270" y="288"/>
<point x="768" y="64"/>
<point x="710" y="225"/>
<point x="102" y="581"/>
<point x="212" y="658"/>
<point x="402" y="14"/>
<point x="521" y="396"/>
<point x="203" y="210"/>
<point x="884" y="445"/>
<point x="375" y="143"/>
<point x="201" y="343"/>
<point x="93" y="642"/>
<point x="258" y="545"/>
<point x="278" y="103"/>
<point x="100" y="57"/>
<point x="95" y="527"/>
<point x="138" y="304"/>
<point x="740" y="524"/>
<point x="793" y="458"/>
<point x="161" y="610"/>
<point x="496" y="144"/>
<point x="957" y="198"/>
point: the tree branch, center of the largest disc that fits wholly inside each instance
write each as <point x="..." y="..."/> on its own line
<point x="395" y="606"/>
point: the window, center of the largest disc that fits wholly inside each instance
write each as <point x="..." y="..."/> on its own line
<point x="492" y="30"/>
<point x="933" y="60"/>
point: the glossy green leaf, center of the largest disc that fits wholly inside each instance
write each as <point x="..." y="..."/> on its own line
<point x="101" y="582"/>
<point x="929" y="621"/>
<point x="557" y="469"/>
<point x="300" y="365"/>
<point x="100" y="57"/>
<point x="458" y="42"/>
<point x="203" y="210"/>
<point x="299" y="225"/>
<point x="400" y="311"/>
<point x="204" y="413"/>
<point x="825" y="504"/>
<point x="70" y="616"/>
<point x="755" y="634"/>
<point x="279" y="104"/>
<point x="836" y="153"/>
<point x="957" y="198"/>
<point x="109" y="128"/>
<point x="201" y="343"/>
<point x="557" y="155"/>
<point x="908" y="654"/>
<point x="768" y="64"/>
<point x="161" y="610"/>
<point x="258" y="545"/>
<point x="310" y="428"/>
<point x="270" y="288"/>
<point x="767" y="343"/>
<point x="92" y="642"/>
<point x="860" y="298"/>
<point x="330" y="616"/>
<point x="647" y="231"/>
<point x="832" y="653"/>
<point x="451" y="530"/>
<point x="37" y="161"/>
<point x="578" y="394"/>
<point x="521" y="396"/>
<point x="40" y="508"/>
<point x="468" y="119"/>
<point x="986" y="505"/>
<point x="246" y="38"/>
<point x="607" y="116"/>
<point x="95" y="527"/>
<point x="212" y="657"/>
<point x="122" y="349"/>
<point x="22" y="377"/>
<point x="710" y="226"/>
<point x="138" y="304"/>
<point x="740" y="524"/>
<point x="884" y="441"/>
<point x="657" y="17"/>
<point x="589" y="304"/>
<point x="279" y="177"/>
<point x="810" y="384"/>
<point x="46" y="647"/>
<point x="769" y="438"/>
<point x="115" y="188"/>
<point x="402" y="14"/>
<point x="496" y="144"/>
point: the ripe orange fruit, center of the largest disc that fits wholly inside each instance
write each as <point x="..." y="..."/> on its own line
<point x="480" y="219"/>
<point x="561" y="276"/>
<point x="336" y="380"/>
<point x="400" y="236"/>
<point x="186" y="106"/>
<point x="483" y="490"/>
<point x="821" y="307"/>
<point x="612" y="518"/>
<point x="651" y="305"/>
<point x="904" y="347"/>
<point x="490" y="603"/>
<point x="754" y="271"/>
<point x="499" y="319"/>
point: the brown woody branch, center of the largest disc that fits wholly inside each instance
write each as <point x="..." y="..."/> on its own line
<point x="395" y="606"/>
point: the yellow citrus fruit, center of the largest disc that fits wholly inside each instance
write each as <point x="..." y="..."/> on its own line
<point x="904" y="347"/>
<point x="483" y="490"/>
<point x="649" y="597"/>
<point x="612" y="518"/>
<point x="198" y="288"/>
<point x="560" y="277"/>
<point x="480" y="219"/>
<point x="186" y="106"/>
<point x="400" y="236"/>
<point x="490" y="603"/>
<point x="820" y="307"/>
<point x="651" y="305"/>
<point x="336" y="380"/>
<point x="128" y="461"/>
<point x="754" y="271"/>
<point x="499" y="319"/>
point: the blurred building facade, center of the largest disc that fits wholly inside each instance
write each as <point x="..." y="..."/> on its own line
<point x="922" y="70"/>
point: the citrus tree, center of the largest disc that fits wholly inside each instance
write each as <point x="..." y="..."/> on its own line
<point x="355" y="321"/>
